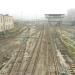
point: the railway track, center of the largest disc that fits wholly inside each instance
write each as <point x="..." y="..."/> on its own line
<point x="54" y="63"/>
<point x="18" y="59"/>
<point x="18" y="56"/>
<point x="8" y="49"/>
<point x="16" y="64"/>
<point x="44" y="55"/>
<point x="64" y="51"/>
<point x="31" y="66"/>
<point x="49" y="64"/>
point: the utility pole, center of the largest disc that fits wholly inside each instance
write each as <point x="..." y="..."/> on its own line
<point x="4" y="26"/>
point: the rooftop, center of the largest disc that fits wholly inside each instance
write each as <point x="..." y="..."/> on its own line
<point x="54" y="14"/>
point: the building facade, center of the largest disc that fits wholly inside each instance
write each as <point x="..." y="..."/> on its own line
<point x="6" y="22"/>
<point x="54" y="19"/>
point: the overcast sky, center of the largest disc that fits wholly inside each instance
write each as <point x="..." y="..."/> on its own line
<point x="34" y="8"/>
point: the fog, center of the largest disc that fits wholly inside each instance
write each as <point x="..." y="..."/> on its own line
<point x="30" y="9"/>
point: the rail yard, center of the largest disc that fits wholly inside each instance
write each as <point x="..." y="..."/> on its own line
<point x="39" y="49"/>
<point x="37" y="37"/>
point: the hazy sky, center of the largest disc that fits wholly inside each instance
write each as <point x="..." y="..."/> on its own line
<point x="34" y="8"/>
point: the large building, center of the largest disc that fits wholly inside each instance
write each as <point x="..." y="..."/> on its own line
<point x="71" y="16"/>
<point x="54" y="18"/>
<point x="6" y="22"/>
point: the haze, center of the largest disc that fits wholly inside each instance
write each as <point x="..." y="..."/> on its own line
<point x="28" y="9"/>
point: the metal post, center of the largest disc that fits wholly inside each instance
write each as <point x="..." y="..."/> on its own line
<point x="3" y="26"/>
